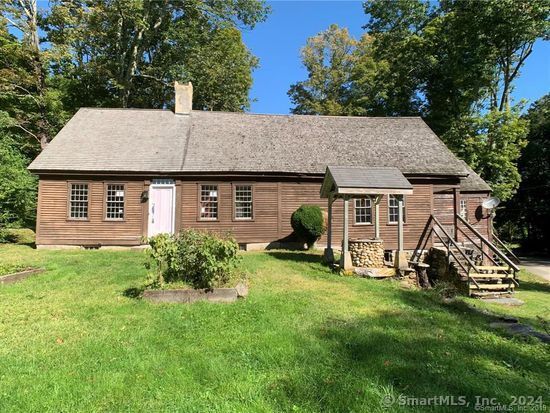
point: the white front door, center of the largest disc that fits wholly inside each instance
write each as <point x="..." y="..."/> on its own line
<point x="161" y="209"/>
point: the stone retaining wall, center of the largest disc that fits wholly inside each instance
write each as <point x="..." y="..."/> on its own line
<point x="367" y="253"/>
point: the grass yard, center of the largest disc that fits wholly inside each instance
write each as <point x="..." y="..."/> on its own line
<point x="305" y="340"/>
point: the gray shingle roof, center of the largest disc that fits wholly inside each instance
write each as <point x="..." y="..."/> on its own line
<point x="127" y="140"/>
<point x="368" y="177"/>
<point x="117" y="140"/>
<point x="473" y="182"/>
<point x="355" y="180"/>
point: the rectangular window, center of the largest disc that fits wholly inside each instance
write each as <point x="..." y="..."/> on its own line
<point x="243" y="201"/>
<point x="463" y="208"/>
<point x="209" y="202"/>
<point x="114" y="202"/>
<point x="393" y="209"/>
<point x="78" y="201"/>
<point x="363" y="211"/>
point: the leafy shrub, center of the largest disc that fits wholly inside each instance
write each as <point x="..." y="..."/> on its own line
<point x="200" y="259"/>
<point x="308" y="223"/>
<point x="18" y="187"/>
<point x="4" y="236"/>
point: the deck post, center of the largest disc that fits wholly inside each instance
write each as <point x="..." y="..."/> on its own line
<point x="401" y="257"/>
<point x="400" y="223"/>
<point x="376" y="200"/>
<point x="456" y="207"/>
<point x="329" y="254"/>
<point x="346" y="256"/>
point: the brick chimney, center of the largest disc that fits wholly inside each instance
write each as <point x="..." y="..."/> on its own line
<point x="184" y="98"/>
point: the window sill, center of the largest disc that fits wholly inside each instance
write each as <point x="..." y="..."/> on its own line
<point x="363" y="224"/>
<point x="78" y="219"/>
<point x="243" y="219"/>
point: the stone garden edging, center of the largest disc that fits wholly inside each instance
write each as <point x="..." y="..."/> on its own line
<point x="19" y="276"/>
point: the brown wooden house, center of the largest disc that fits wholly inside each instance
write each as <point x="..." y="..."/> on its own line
<point x="113" y="177"/>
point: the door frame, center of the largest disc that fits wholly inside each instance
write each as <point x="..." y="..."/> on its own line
<point x="162" y="183"/>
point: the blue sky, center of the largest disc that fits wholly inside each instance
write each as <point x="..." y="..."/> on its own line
<point x="277" y="43"/>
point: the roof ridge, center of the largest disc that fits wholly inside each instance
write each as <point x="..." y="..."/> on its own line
<point x="128" y="109"/>
<point x="255" y="113"/>
<point x="305" y="115"/>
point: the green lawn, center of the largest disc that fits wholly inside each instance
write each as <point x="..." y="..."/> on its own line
<point x="305" y="340"/>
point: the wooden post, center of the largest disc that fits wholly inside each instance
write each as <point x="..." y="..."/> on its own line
<point x="346" y="256"/>
<point x="401" y="257"/>
<point x="376" y="200"/>
<point x="329" y="228"/>
<point x="456" y="195"/>
<point x="346" y="228"/>
<point x="400" y="223"/>
<point x="329" y="254"/>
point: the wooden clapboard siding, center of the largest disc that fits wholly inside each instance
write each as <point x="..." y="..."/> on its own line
<point x="417" y="210"/>
<point x="274" y="201"/>
<point x="54" y="227"/>
<point x="477" y="216"/>
<point x="263" y="226"/>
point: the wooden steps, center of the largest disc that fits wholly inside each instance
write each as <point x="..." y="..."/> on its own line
<point x="489" y="275"/>
<point x="486" y="294"/>
<point x="492" y="268"/>
<point x="491" y="280"/>
<point x="491" y="287"/>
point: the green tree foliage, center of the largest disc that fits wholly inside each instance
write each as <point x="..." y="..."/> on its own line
<point x="26" y="92"/>
<point x="527" y="214"/>
<point x="452" y="62"/>
<point x="17" y="185"/>
<point x="128" y="53"/>
<point x="328" y="58"/>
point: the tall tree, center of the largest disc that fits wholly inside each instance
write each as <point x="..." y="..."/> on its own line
<point x="453" y="62"/>
<point x="328" y="60"/>
<point x="25" y="91"/>
<point x="128" y="53"/>
<point x="527" y="214"/>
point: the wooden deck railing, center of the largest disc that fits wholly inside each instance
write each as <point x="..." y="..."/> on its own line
<point x="456" y="251"/>
<point x="505" y="248"/>
<point x="489" y="244"/>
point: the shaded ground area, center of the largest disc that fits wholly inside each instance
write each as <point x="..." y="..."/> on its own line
<point x="305" y="340"/>
<point x="537" y="266"/>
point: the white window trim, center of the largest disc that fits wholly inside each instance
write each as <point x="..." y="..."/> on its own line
<point x="235" y="217"/>
<point x="70" y="201"/>
<point x="201" y="218"/>
<point x="355" y="208"/>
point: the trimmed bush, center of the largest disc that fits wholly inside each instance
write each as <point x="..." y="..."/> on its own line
<point x="308" y="223"/>
<point x="200" y="259"/>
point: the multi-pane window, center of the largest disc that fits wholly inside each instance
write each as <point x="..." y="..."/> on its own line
<point x="243" y="201"/>
<point x="209" y="201"/>
<point x="363" y="211"/>
<point x="463" y="209"/>
<point x="114" y="208"/>
<point x="78" y="201"/>
<point x="393" y="209"/>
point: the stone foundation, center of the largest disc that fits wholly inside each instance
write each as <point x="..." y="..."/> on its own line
<point x="367" y="253"/>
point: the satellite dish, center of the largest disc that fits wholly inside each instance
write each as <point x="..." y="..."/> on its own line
<point x="491" y="203"/>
